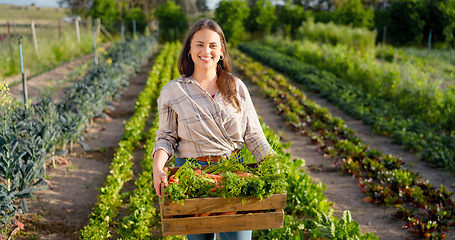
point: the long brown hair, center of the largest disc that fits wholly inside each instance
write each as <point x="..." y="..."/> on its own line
<point x="226" y="81"/>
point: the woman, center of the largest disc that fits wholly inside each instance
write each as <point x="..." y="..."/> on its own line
<point x="207" y="113"/>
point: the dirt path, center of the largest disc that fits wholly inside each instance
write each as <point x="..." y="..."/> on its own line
<point x="50" y="82"/>
<point x="342" y="190"/>
<point x="61" y="212"/>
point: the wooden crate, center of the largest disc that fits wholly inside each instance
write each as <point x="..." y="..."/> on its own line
<point x="178" y="219"/>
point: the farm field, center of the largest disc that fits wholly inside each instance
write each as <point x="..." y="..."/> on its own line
<point x="56" y="40"/>
<point x="359" y="158"/>
<point x="88" y="170"/>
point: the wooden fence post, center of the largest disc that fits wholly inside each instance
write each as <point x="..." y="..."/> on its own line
<point x="78" y="33"/>
<point x="97" y="25"/>
<point x="9" y="42"/>
<point x="95" y="59"/>
<point x="34" y="38"/>
<point x="60" y="29"/>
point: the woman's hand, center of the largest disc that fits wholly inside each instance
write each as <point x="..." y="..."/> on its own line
<point x="159" y="177"/>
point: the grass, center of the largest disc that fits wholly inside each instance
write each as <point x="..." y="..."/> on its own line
<point x="53" y="50"/>
<point x="56" y="45"/>
<point x="21" y="14"/>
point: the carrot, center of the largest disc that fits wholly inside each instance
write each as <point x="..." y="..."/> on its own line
<point x="215" y="177"/>
<point x="172" y="179"/>
<point x="204" y="214"/>
<point x="244" y="174"/>
<point x="198" y="171"/>
<point x="227" y="213"/>
<point x="196" y="215"/>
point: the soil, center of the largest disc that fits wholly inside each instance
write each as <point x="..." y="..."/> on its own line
<point x="61" y="212"/>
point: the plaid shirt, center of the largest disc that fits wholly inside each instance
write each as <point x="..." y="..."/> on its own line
<point x="193" y="124"/>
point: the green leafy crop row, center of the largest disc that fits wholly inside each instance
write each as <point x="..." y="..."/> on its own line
<point x="428" y="211"/>
<point x="110" y="198"/>
<point x="28" y="136"/>
<point x="437" y="147"/>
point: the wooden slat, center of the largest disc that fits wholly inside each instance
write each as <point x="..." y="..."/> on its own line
<point x="216" y="205"/>
<point x="228" y="223"/>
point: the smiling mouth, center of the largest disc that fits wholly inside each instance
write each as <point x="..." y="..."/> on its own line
<point x="206" y="58"/>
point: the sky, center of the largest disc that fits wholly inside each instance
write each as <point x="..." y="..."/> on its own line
<point x="39" y="3"/>
<point x="211" y="4"/>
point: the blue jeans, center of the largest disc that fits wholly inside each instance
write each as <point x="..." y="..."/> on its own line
<point x="240" y="235"/>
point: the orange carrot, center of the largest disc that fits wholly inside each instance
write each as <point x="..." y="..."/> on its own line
<point x="227" y="213"/>
<point x="216" y="177"/>
<point x="172" y="179"/>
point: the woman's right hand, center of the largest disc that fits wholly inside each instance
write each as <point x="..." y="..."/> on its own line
<point x="159" y="177"/>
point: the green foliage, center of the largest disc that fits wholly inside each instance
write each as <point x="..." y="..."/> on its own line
<point x="291" y="18"/>
<point x="173" y="23"/>
<point x="410" y="22"/>
<point x="386" y="117"/>
<point x="137" y="15"/>
<point x="440" y="18"/>
<point x="360" y="39"/>
<point x="343" y="229"/>
<point x="262" y="17"/>
<point x="405" y="24"/>
<point x="109" y="198"/>
<point x="53" y="50"/>
<point x="107" y="11"/>
<point x="230" y="15"/>
<point x="354" y="14"/>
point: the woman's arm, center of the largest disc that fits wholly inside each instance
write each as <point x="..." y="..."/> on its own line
<point x="166" y="139"/>
<point x="159" y="176"/>
<point x="254" y="137"/>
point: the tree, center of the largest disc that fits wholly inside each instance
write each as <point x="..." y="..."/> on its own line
<point x="440" y="20"/>
<point x="404" y="22"/>
<point x="202" y="5"/>
<point x="173" y="23"/>
<point x="291" y="17"/>
<point x="107" y="11"/>
<point x="262" y="17"/>
<point x="316" y="5"/>
<point x="136" y="14"/>
<point x="231" y="14"/>
<point x="77" y="7"/>
<point x="353" y="13"/>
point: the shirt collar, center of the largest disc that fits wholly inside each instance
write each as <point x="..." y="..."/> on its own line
<point x="188" y="79"/>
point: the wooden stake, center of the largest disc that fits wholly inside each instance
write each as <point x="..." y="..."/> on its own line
<point x="98" y="26"/>
<point x="60" y="29"/>
<point x="78" y="33"/>
<point x="9" y="41"/>
<point x="106" y="32"/>
<point x="34" y="38"/>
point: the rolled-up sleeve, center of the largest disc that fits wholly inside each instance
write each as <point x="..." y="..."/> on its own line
<point x="166" y="135"/>
<point x="255" y="140"/>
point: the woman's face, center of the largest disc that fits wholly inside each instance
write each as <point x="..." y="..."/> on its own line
<point x="205" y="49"/>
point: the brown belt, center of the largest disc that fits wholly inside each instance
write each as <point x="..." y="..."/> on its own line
<point x="217" y="158"/>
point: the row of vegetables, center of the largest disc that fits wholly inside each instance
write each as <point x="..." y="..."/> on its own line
<point x="379" y="95"/>
<point x="31" y="135"/>
<point x="389" y="81"/>
<point x="305" y="199"/>
<point x="428" y="212"/>
<point x="110" y="196"/>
